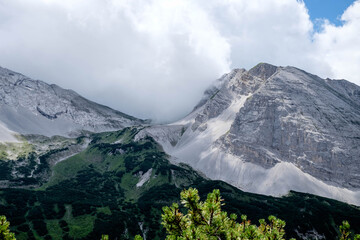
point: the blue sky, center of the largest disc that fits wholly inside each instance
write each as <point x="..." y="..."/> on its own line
<point x="329" y="9"/>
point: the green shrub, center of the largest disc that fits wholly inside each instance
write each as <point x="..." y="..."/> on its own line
<point x="5" y="233"/>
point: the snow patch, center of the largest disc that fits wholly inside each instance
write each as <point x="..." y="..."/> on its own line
<point x="144" y="178"/>
<point x="118" y="141"/>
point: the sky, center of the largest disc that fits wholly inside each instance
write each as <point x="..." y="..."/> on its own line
<point x="154" y="58"/>
<point x="327" y="9"/>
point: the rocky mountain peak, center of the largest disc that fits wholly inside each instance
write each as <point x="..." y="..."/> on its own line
<point x="30" y="106"/>
<point x="263" y="70"/>
<point x="274" y="129"/>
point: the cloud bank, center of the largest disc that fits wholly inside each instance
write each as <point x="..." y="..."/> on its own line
<point x="154" y="58"/>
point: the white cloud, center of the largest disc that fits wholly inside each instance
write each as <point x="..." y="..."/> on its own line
<point x="154" y="58"/>
<point x="147" y="58"/>
<point x="274" y="31"/>
<point x="339" y="46"/>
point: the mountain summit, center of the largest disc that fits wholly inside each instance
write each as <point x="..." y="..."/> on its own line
<point x="34" y="107"/>
<point x="273" y="129"/>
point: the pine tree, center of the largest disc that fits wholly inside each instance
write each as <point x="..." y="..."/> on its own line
<point x="206" y="221"/>
<point x="5" y="233"/>
<point x="345" y="232"/>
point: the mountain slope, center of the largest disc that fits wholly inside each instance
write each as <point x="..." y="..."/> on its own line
<point x="273" y="129"/>
<point x="7" y="135"/>
<point x="33" y="107"/>
<point x="116" y="185"/>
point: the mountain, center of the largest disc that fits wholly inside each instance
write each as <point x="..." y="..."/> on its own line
<point x="74" y="169"/>
<point x="34" y="107"/>
<point x="270" y="130"/>
<point x="117" y="185"/>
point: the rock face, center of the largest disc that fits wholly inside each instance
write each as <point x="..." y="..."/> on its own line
<point x="33" y="107"/>
<point x="299" y="118"/>
<point x="274" y="129"/>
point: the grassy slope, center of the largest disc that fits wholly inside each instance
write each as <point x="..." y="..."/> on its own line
<point x="95" y="192"/>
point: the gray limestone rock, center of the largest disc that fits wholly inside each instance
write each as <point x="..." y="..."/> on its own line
<point x="34" y="107"/>
<point x="300" y="118"/>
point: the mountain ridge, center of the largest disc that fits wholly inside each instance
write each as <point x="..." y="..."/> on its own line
<point x="267" y="130"/>
<point x="244" y="138"/>
<point x="34" y="107"/>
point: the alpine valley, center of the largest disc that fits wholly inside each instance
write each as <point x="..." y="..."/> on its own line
<point x="275" y="141"/>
